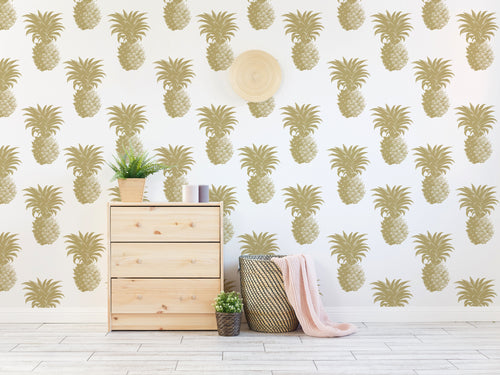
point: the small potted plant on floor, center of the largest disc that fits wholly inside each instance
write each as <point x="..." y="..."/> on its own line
<point x="228" y="307"/>
<point x="131" y="170"/>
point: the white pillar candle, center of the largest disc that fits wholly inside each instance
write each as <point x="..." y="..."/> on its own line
<point x="190" y="193"/>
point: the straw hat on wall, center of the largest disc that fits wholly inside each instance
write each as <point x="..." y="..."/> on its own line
<point x="255" y="75"/>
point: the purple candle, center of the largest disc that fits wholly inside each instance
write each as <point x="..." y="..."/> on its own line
<point x="203" y="193"/>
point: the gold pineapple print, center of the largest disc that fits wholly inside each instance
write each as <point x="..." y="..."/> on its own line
<point x="179" y="159"/>
<point x="9" y="75"/>
<point x="393" y="203"/>
<point x="259" y="161"/>
<point x="218" y="29"/>
<point x="176" y="14"/>
<point x="9" y="248"/>
<point x="86" y="14"/>
<point x="263" y="243"/>
<point x="43" y="293"/>
<point x="393" y="29"/>
<point x="128" y="121"/>
<point x="304" y="28"/>
<point x="262" y="109"/>
<point x="434" y="161"/>
<point x="478" y="292"/>
<point x="44" y="122"/>
<point x="8" y="15"/>
<point x="434" y="75"/>
<point x="350" y="250"/>
<point x="434" y="248"/>
<point x="9" y="162"/>
<point x="394" y="293"/>
<point x="44" y="28"/>
<point x="114" y="194"/>
<point x="435" y="14"/>
<point x="86" y="75"/>
<point x="350" y="163"/>
<point x="44" y="203"/>
<point x="227" y="195"/>
<point x="229" y="285"/>
<point x="176" y="75"/>
<point x="477" y="121"/>
<point x="86" y="249"/>
<point x="392" y="123"/>
<point x="351" y="14"/>
<point x="479" y="202"/>
<point x="302" y="121"/>
<point x="130" y="28"/>
<point x="350" y="76"/>
<point x="260" y="14"/>
<point x="305" y="202"/>
<point x="218" y="123"/>
<point x="478" y="28"/>
<point x="86" y="161"/>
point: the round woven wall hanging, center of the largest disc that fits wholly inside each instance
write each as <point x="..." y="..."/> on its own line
<point x="255" y="75"/>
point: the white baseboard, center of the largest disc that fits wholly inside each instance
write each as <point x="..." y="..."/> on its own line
<point x="412" y="314"/>
<point x="339" y="314"/>
<point x="60" y="315"/>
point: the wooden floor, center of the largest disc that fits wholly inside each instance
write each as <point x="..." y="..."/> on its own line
<point x="424" y="349"/>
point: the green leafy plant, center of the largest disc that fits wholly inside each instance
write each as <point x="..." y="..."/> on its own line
<point x="135" y="165"/>
<point x="228" y="302"/>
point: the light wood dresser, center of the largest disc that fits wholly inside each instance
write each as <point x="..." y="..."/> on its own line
<point x="165" y="265"/>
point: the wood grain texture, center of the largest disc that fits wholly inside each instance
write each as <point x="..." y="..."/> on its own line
<point x="83" y="349"/>
<point x="221" y="236"/>
<point x="163" y="296"/>
<point x="165" y="265"/>
<point x="156" y="224"/>
<point x="7" y="367"/>
<point x="131" y="189"/>
<point x="165" y="260"/>
<point x="162" y="322"/>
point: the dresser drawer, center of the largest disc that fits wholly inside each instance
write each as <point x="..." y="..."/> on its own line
<point x="175" y="260"/>
<point x="156" y="224"/>
<point x="163" y="296"/>
<point x="162" y="321"/>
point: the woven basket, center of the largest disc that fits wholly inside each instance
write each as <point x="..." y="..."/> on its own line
<point x="228" y="324"/>
<point x="264" y="299"/>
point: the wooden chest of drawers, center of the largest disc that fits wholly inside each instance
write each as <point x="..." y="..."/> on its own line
<point x="165" y="265"/>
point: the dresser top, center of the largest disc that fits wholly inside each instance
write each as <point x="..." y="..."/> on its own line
<point x="165" y="204"/>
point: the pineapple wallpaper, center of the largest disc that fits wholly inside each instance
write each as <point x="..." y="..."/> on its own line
<point x="350" y="75"/>
<point x="302" y="121"/>
<point x="128" y="121"/>
<point x="379" y="155"/>
<point x="350" y="249"/>
<point x="86" y="162"/>
<point x="45" y="28"/>
<point x="86" y="75"/>
<point x="44" y="123"/>
<point x="392" y="122"/>
<point x="393" y="29"/>
<point x="9" y="75"/>
<point x="87" y="14"/>
<point x="10" y="162"/>
<point x="227" y="195"/>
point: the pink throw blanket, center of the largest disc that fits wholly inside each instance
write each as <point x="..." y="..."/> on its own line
<point x="301" y="289"/>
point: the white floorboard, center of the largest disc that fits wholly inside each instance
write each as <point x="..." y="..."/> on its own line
<point x="461" y="348"/>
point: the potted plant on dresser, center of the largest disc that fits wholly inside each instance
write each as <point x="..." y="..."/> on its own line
<point x="131" y="170"/>
<point x="228" y="308"/>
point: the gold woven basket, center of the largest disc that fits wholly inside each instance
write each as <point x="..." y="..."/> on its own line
<point x="264" y="300"/>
